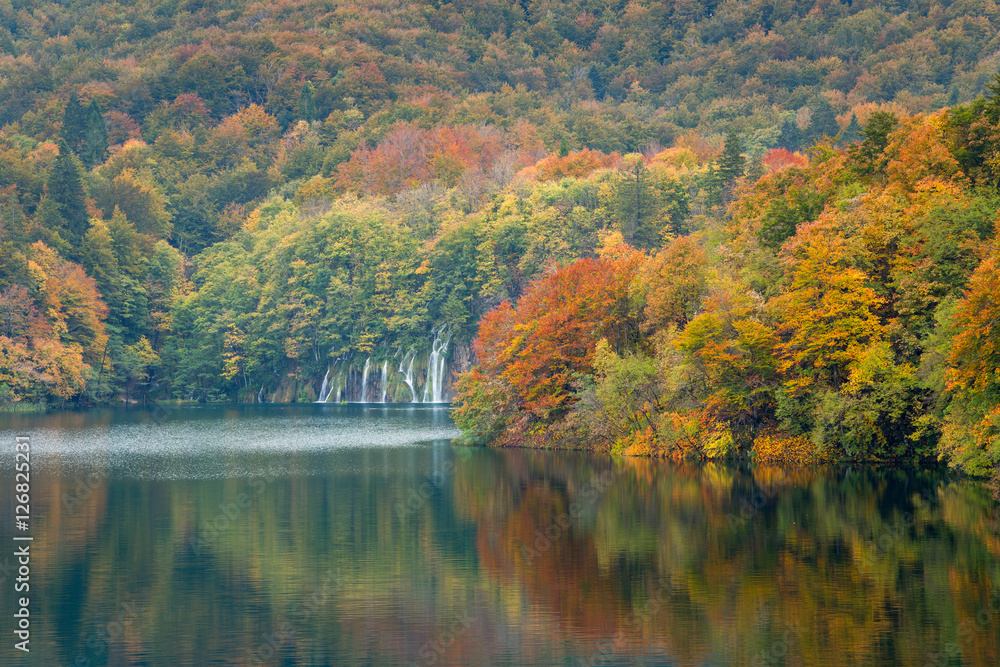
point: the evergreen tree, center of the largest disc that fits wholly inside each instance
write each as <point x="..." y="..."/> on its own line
<point x="563" y="147"/>
<point x="712" y="183"/>
<point x="790" y="137"/>
<point x="65" y="190"/>
<point x="596" y="81"/>
<point x="634" y="202"/>
<point x="307" y="102"/>
<point x="74" y="126"/>
<point x="851" y="133"/>
<point x="95" y="140"/>
<point x="823" y="122"/>
<point x="732" y="163"/>
<point x="992" y="108"/>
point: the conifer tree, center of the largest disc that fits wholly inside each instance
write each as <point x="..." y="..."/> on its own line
<point x="65" y="190"/>
<point x="823" y="122"/>
<point x="851" y="133"/>
<point x="74" y="126"/>
<point x="791" y="137"/>
<point x="307" y="102"/>
<point x="95" y="140"/>
<point x="732" y="163"/>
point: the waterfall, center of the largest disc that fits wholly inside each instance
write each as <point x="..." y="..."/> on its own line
<point x="260" y="394"/>
<point x="385" y="378"/>
<point x="434" y="387"/>
<point x="324" y="391"/>
<point x="408" y="374"/>
<point x="364" y="381"/>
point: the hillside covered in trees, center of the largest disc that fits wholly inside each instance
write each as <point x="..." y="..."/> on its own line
<point x="782" y="215"/>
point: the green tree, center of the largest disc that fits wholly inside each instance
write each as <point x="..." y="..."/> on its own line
<point x="790" y="137"/>
<point x="823" y="121"/>
<point x="869" y="156"/>
<point x="634" y="203"/>
<point x="851" y="133"/>
<point x="64" y="188"/>
<point x="74" y="125"/>
<point x="95" y="138"/>
<point x="732" y="162"/>
<point x="307" y="102"/>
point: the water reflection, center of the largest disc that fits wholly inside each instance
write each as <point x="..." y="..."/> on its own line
<point x="379" y="549"/>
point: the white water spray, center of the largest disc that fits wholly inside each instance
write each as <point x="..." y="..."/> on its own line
<point x="408" y="374"/>
<point x="434" y="388"/>
<point x="324" y="391"/>
<point x="364" y="381"/>
<point x="385" y="378"/>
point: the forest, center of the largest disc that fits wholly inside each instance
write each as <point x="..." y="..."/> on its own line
<point x="653" y="228"/>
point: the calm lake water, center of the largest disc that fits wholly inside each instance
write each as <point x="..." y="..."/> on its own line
<point x="350" y="535"/>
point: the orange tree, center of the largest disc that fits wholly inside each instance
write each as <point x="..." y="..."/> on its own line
<point x="531" y="353"/>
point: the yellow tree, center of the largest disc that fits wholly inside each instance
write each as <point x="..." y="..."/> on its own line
<point x="971" y="434"/>
<point x="827" y="311"/>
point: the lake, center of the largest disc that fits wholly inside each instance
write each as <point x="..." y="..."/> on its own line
<point x="358" y="535"/>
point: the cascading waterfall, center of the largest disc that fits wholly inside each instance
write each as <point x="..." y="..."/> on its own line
<point x="385" y="379"/>
<point x="364" y="381"/>
<point x="260" y="394"/>
<point x="324" y="391"/>
<point x="434" y="388"/>
<point x="408" y="374"/>
<point x="339" y="381"/>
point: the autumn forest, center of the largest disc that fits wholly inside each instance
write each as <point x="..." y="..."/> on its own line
<point x="763" y="229"/>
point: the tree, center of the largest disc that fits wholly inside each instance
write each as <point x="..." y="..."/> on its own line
<point x="790" y="137"/>
<point x="70" y="300"/>
<point x="137" y="198"/>
<point x="307" y="102"/>
<point x="971" y="434"/>
<point x="827" y="312"/>
<point x="64" y="188"/>
<point x="74" y="125"/>
<point x="634" y="203"/>
<point x="538" y="346"/>
<point x="851" y="133"/>
<point x="95" y="137"/>
<point x="869" y="156"/>
<point x="671" y="283"/>
<point x="732" y="162"/>
<point x="823" y="121"/>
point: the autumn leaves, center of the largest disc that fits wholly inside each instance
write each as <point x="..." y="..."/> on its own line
<point x="833" y="315"/>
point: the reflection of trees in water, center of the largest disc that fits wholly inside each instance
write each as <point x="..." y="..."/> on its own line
<point x="832" y="566"/>
<point x="700" y="562"/>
